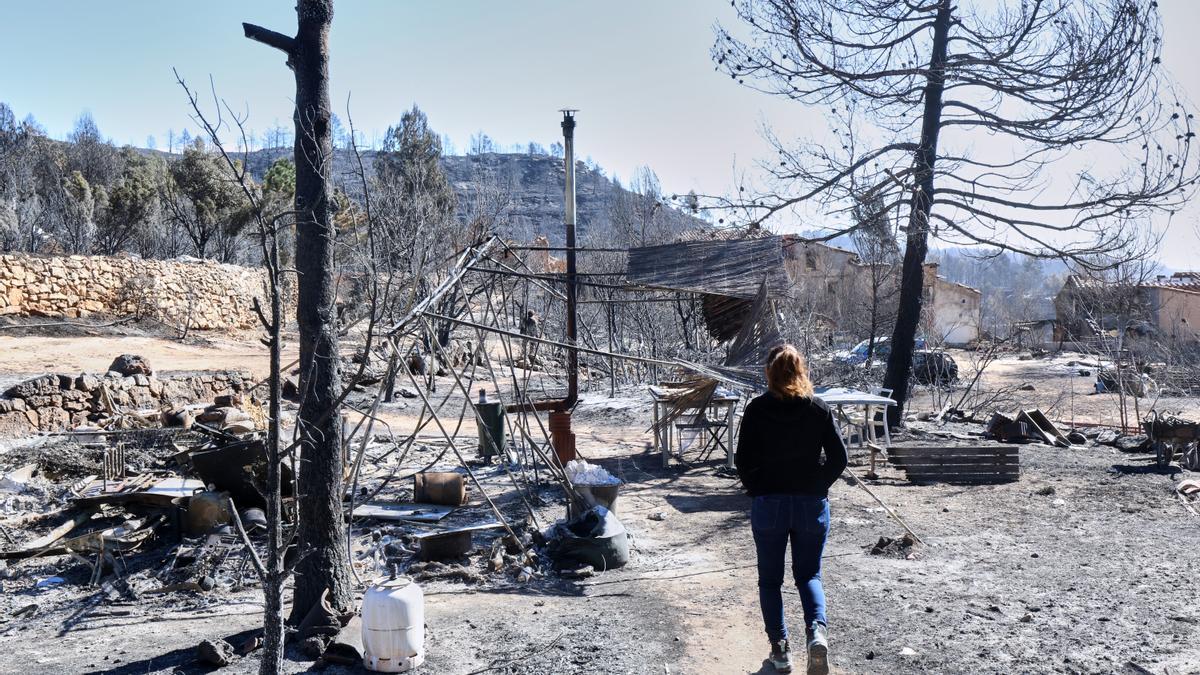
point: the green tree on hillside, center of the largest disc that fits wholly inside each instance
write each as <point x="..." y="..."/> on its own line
<point x="411" y="162"/>
<point x="416" y="209"/>
<point x="280" y="178"/>
<point x="130" y="203"/>
<point x="416" y="200"/>
<point x="279" y="193"/>
<point x="205" y="203"/>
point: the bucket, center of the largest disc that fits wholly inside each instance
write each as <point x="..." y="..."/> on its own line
<point x="440" y="487"/>
<point x="596" y="495"/>
<point x="393" y="626"/>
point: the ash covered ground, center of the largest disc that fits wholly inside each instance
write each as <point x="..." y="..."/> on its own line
<point x="1087" y="564"/>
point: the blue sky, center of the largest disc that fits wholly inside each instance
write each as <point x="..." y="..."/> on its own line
<point x="638" y="71"/>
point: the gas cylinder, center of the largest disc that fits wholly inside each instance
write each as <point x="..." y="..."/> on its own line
<point x="393" y="626"/>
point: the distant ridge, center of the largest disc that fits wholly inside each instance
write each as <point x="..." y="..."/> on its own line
<point x="532" y="184"/>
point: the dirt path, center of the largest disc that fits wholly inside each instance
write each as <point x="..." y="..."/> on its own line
<point x="1017" y="578"/>
<point x="93" y="355"/>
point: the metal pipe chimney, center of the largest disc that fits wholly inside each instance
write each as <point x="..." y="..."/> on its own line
<point x="561" y="435"/>
<point x="568" y="127"/>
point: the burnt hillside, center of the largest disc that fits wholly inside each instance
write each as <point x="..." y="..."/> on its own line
<point x="530" y="186"/>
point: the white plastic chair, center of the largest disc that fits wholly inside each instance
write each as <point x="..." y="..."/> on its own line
<point x="877" y="417"/>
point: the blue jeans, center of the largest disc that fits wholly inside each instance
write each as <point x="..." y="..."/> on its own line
<point x="804" y="520"/>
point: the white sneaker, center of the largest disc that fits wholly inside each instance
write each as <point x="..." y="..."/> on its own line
<point x="781" y="656"/>
<point x="818" y="651"/>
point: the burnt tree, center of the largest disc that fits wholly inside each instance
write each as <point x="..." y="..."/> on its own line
<point x="321" y="529"/>
<point x="1043" y="127"/>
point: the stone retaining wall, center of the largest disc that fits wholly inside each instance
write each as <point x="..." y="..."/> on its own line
<point x="198" y="294"/>
<point x="60" y="402"/>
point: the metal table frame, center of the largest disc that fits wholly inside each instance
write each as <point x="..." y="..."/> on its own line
<point x="663" y="437"/>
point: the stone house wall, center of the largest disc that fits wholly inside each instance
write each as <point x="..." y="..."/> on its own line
<point x="837" y="284"/>
<point x="1176" y="311"/>
<point x="828" y="281"/>
<point x="956" y="313"/>
<point x="58" y="402"/>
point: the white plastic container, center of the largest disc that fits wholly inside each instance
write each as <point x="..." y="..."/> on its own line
<point x="393" y="626"/>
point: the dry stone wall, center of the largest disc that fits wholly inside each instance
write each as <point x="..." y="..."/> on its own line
<point x="59" y="402"/>
<point x="196" y="294"/>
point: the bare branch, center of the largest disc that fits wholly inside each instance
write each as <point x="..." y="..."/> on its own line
<point x="270" y="38"/>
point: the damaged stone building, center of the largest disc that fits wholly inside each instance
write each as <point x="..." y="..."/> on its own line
<point x="1165" y="306"/>
<point x="838" y="285"/>
<point x="832" y="288"/>
<point x="953" y="310"/>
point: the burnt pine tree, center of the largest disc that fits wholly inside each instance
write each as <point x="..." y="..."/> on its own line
<point x="321" y="531"/>
<point x="416" y="205"/>
<point x="1042" y="127"/>
<point x="875" y="240"/>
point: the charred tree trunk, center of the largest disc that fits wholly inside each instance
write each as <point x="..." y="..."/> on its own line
<point x="871" y="336"/>
<point x="389" y="378"/>
<point x="321" y="530"/>
<point x="912" y="280"/>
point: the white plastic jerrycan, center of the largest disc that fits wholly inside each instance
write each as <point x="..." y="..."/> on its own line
<point x="393" y="626"/>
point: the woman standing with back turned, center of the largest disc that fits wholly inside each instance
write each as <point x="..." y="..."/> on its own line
<point x="779" y="461"/>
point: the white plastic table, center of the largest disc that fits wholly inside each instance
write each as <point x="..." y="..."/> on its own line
<point x="841" y="397"/>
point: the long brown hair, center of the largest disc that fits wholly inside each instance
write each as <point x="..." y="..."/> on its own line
<point x="787" y="373"/>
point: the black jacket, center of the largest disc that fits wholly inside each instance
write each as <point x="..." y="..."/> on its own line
<point x="779" y="447"/>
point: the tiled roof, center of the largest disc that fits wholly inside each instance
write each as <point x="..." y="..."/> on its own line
<point x="794" y="239"/>
<point x="1188" y="282"/>
<point x="1193" y="287"/>
<point x="1183" y="281"/>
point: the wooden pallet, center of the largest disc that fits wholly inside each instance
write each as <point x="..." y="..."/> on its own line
<point x="955" y="464"/>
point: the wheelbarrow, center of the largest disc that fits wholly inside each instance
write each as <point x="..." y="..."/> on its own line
<point x="1169" y="436"/>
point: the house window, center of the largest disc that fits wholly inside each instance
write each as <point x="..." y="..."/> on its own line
<point x="810" y="260"/>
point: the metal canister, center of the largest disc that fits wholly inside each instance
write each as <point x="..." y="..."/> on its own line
<point x="490" y="424"/>
<point x="440" y="487"/>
